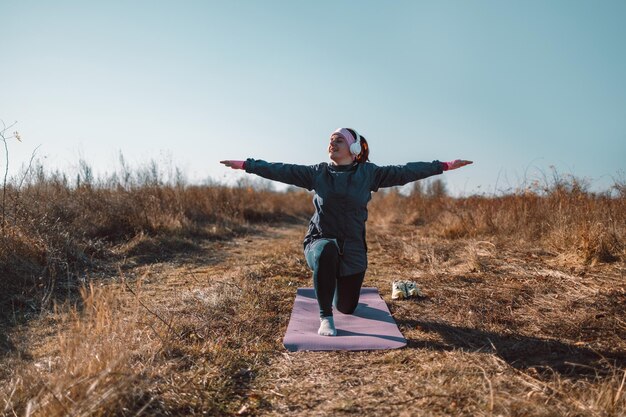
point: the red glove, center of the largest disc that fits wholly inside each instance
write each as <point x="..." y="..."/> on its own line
<point x="457" y="163"/>
<point x="234" y="164"/>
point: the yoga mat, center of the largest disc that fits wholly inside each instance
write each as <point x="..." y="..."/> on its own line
<point x="371" y="326"/>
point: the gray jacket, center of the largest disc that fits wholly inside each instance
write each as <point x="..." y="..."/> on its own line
<point x="341" y="197"/>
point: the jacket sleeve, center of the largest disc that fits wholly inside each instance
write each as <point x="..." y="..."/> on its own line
<point x="391" y="175"/>
<point x="298" y="175"/>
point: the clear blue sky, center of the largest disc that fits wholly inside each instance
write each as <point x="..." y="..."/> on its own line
<point x="516" y="86"/>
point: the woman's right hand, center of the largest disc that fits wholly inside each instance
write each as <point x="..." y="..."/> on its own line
<point x="457" y="163"/>
<point x="234" y="164"/>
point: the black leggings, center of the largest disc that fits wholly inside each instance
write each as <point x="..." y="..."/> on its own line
<point x="329" y="286"/>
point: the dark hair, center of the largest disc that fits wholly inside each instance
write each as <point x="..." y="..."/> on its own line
<point x="364" y="156"/>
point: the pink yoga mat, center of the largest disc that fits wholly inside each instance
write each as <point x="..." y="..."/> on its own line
<point x="371" y="326"/>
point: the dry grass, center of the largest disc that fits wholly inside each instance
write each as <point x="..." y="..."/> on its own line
<point x="582" y="227"/>
<point x="500" y="331"/>
<point x="56" y="233"/>
<point x="524" y="307"/>
<point x="175" y="341"/>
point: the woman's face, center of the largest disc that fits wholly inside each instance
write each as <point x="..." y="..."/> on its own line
<point x="338" y="150"/>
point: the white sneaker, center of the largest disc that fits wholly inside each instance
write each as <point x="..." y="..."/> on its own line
<point x="412" y="290"/>
<point x="398" y="290"/>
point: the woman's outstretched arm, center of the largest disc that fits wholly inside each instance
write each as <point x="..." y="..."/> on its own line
<point x="392" y="175"/>
<point x="298" y="175"/>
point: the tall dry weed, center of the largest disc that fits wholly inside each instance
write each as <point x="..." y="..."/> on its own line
<point x="100" y="354"/>
<point x="58" y="228"/>
<point x="580" y="226"/>
<point x="127" y="351"/>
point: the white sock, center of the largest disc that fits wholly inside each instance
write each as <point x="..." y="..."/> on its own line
<point x="327" y="326"/>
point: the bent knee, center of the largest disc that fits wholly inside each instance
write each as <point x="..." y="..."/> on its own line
<point x="346" y="309"/>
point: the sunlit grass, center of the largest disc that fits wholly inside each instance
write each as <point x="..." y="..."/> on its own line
<point x="203" y="335"/>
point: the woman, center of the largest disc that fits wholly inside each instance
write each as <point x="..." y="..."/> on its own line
<point x="334" y="245"/>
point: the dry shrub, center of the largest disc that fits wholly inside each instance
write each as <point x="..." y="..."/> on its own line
<point x="476" y="255"/>
<point x="128" y="351"/>
<point x="111" y="356"/>
<point x="21" y="255"/>
<point x="451" y="226"/>
<point x="55" y="228"/>
<point x="267" y="206"/>
<point x="390" y="207"/>
<point x="99" y="357"/>
<point x="583" y="227"/>
<point x="593" y="243"/>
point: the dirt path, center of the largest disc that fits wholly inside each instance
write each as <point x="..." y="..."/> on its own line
<point x="502" y="330"/>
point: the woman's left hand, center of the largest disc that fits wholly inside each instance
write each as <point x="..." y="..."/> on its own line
<point x="457" y="163"/>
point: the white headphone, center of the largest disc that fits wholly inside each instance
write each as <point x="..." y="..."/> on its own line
<point x="355" y="148"/>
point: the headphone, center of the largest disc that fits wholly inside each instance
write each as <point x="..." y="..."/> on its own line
<point x="355" y="148"/>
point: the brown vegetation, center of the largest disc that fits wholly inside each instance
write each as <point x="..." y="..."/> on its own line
<point x="144" y="298"/>
<point x="56" y="233"/>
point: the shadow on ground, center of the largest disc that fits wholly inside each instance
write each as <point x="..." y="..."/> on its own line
<point x="521" y="352"/>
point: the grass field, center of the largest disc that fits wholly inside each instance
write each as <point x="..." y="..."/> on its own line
<point x="141" y="297"/>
